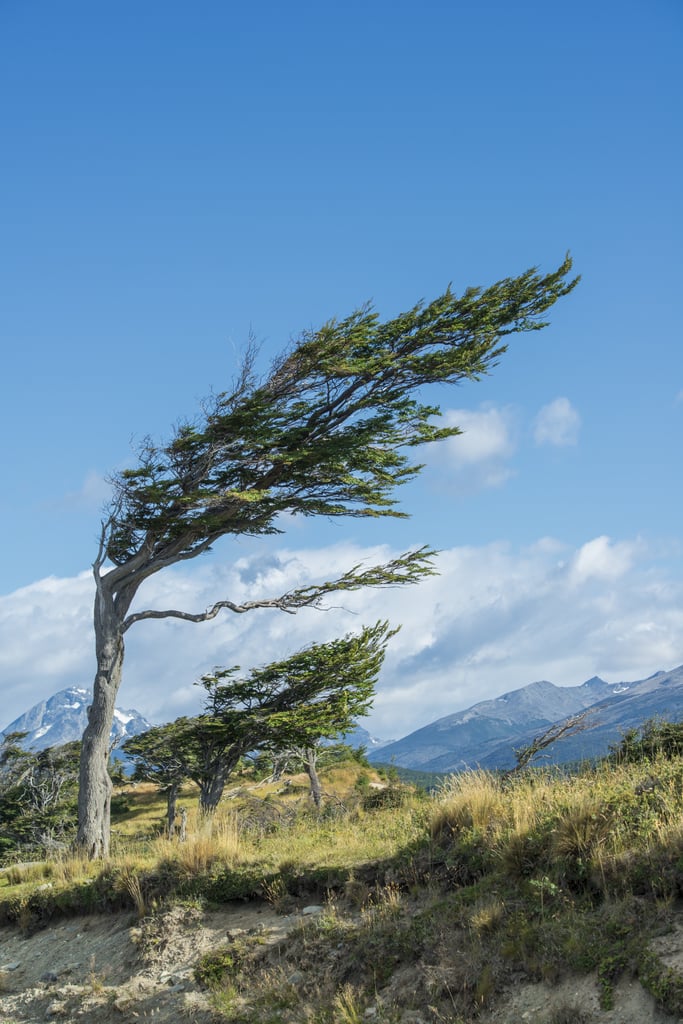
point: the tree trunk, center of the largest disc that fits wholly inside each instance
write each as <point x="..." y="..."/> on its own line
<point x="211" y="790"/>
<point x="316" y="789"/>
<point x="171" y="800"/>
<point x="94" y="794"/>
<point x="215" y="772"/>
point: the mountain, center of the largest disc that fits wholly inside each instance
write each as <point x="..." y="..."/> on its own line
<point x="63" y="717"/>
<point x="360" y="737"/>
<point x="487" y="734"/>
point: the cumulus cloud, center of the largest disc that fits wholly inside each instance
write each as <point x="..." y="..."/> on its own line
<point x="479" y="456"/>
<point x="601" y="559"/>
<point x="496" y="618"/>
<point x="557" y="423"/>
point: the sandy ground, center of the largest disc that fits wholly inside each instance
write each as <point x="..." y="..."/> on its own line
<point x="105" y="969"/>
<point x="100" y="969"/>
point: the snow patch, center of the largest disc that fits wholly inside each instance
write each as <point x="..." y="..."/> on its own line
<point x="41" y="732"/>
<point x="122" y="717"/>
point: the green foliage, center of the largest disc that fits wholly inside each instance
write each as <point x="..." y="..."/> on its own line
<point x="430" y="891"/>
<point x="214" y="966"/>
<point x="655" y="738"/>
<point x="663" y="982"/>
<point x="159" y="754"/>
<point x="37" y="796"/>
<point x="328" y="432"/>
<point x="315" y="693"/>
<point x="325" y="433"/>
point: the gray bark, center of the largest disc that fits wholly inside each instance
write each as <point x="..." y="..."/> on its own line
<point x="171" y="800"/>
<point x="211" y="789"/>
<point x="94" y="792"/>
<point x="311" y="757"/>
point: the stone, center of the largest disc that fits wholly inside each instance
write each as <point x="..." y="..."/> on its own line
<point x="56" y="1009"/>
<point x="312" y="910"/>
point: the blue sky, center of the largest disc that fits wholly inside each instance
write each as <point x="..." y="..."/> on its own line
<point x="175" y="176"/>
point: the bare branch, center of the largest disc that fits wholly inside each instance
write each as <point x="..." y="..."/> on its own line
<point x="569" y="727"/>
<point x="408" y="568"/>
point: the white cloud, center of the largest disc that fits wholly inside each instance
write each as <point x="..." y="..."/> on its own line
<point x="478" y="457"/>
<point x="601" y="559"/>
<point x="495" y="619"/>
<point x="557" y="423"/>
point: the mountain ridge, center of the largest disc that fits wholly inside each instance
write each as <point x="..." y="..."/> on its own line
<point x="487" y="734"/>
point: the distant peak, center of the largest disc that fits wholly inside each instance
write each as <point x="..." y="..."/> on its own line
<point x="595" y="681"/>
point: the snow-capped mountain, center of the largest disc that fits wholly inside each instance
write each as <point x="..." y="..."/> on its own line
<point x="487" y="734"/>
<point x="63" y="717"/>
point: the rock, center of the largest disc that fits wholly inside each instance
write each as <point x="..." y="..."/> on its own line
<point x="295" y="978"/>
<point x="49" y="977"/>
<point x="14" y="966"/>
<point x="56" y="1009"/>
<point x="312" y="910"/>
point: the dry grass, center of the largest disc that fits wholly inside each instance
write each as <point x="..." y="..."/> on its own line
<point x="518" y="876"/>
<point x="210" y="842"/>
<point x="473" y="800"/>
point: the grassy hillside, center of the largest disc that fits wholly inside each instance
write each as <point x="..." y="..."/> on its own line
<point x="431" y="904"/>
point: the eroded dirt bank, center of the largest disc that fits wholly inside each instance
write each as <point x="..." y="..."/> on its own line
<point x="113" y="968"/>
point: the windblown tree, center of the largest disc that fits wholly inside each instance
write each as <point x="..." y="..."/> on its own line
<point x="326" y="433"/>
<point x="315" y="693"/>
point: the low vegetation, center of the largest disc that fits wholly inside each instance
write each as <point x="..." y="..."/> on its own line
<point x="434" y="903"/>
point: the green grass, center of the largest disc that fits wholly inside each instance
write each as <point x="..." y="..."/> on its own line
<point x="430" y="901"/>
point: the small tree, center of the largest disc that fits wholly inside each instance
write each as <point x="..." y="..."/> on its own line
<point x="524" y="756"/>
<point x="314" y="693"/>
<point x="655" y="738"/>
<point x="325" y="433"/>
<point x="159" y="756"/>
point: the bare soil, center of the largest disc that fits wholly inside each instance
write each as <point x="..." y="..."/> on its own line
<point x="104" y="968"/>
<point x="110" y="969"/>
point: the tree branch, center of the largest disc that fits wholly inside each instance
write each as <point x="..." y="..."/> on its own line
<point x="408" y="568"/>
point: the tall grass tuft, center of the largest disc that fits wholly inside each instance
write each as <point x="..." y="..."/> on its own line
<point x="215" y="843"/>
<point x="473" y="800"/>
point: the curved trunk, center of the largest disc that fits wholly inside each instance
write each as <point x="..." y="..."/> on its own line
<point x="94" y="793"/>
<point x="316" y="789"/>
